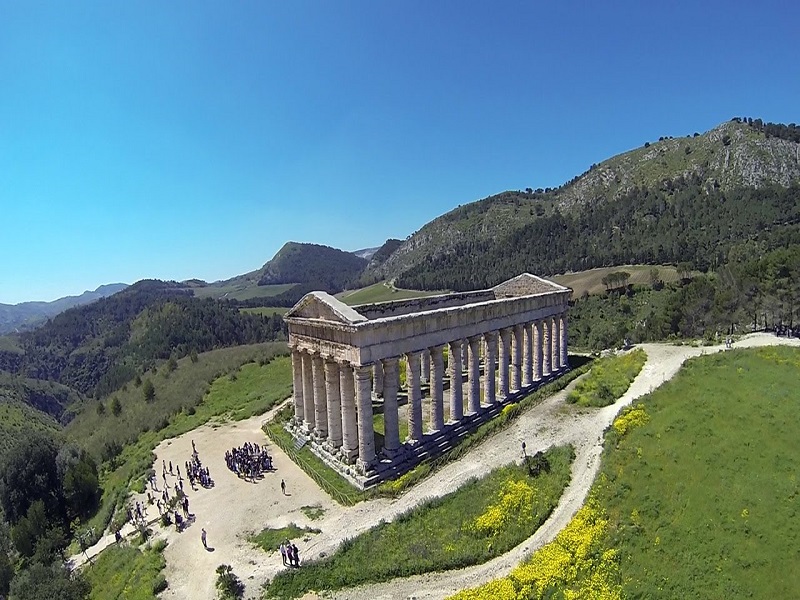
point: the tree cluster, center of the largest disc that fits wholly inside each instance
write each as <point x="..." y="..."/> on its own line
<point x="328" y="269"/>
<point x="45" y="488"/>
<point x="684" y="220"/>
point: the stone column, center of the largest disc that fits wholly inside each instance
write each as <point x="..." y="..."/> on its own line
<point x="516" y="357"/>
<point x="308" y="393"/>
<point x="456" y="383"/>
<point x="377" y="378"/>
<point x="414" y="398"/>
<point x="297" y="385"/>
<point x="527" y="356"/>
<point x="555" y="340"/>
<point x="391" y="426"/>
<point x="564" y="355"/>
<point x="538" y="359"/>
<point x="349" y="422"/>
<point x="437" y="392"/>
<point x="464" y="354"/>
<point x="332" y="392"/>
<point x="505" y="340"/>
<point x="425" y="370"/>
<point x="474" y="395"/>
<point x="547" y="347"/>
<point x="489" y="395"/>
<point x="320" y="399"/>
<point x="366" y="434"/>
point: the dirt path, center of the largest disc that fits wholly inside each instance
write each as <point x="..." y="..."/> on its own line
<point x="234" y="508"/>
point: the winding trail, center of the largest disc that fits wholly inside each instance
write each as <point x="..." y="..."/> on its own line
<point x="233" y="508"/>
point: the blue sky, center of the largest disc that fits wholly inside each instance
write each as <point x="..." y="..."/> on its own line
<point x="192" y="139"/>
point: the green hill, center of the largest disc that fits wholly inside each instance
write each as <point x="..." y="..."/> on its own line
<point x="328" y="268"/>
<point x="668" y="192"/>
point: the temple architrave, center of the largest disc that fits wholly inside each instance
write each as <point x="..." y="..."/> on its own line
<point x="465" y="355"/>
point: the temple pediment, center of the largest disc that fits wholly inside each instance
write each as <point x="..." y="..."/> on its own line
<point x="526" y="285"/>
<point x="321" y="305"/>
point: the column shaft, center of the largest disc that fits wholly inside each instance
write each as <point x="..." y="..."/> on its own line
<point x="564" y="355"/>
<point x="456" y="383"/>
<point x="333" y="394"/>
<point x="555" y="340"/>
<point x="366" y="433"/>
<point x="547" y="347"/>
<point x="505" y="339"/>
<point x="527" y="356"/>
<point x="516" y="357"/>
<point x="425" y="369"/>
<point x="377" y="378"/>
<point x="490" y="348"/>
<point x="474" y="399"/>
<point x="308" y="393"/>
<point x="538" y="344"/>
<point x="349" y="421"/>
<point x="320" y="398"/>
<point x="414" y="397"/>
<point x="297" y="385"/>
<point x="391" y="426"/>
<point x="437" y="389"/>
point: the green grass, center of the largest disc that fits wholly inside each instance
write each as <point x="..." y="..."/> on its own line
<point x="242" y="290"/>
<point x="254" y="389"/>
<point x="703" y="498"/>
<point x="377" y="423"/>
<point x="178" y="391"/>
<point x="380" y="292"/>
<point x="270" y="540"/>
<point x="126" y="572"/>
<point x="609" y="379"/>
<point x="265" y="311"/>
<point x="440" y="534"/>
<point x="10" y="344"/>
<point x="17" y="420"/>
<point x="591" y="280"/>
<point x="338" y="488"/>
<point x="313" y="512"/>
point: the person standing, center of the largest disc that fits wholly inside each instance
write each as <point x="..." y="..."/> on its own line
<point x="283" y="487"/>
<point x="295" y="555"/>
<point x="283" y="553"/>
<point x="203" y="538"/>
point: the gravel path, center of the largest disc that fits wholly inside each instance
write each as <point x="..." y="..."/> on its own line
<point x="233" y="508"/>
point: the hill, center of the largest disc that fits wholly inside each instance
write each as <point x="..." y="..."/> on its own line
<point x="676" y="199"/>
<point x="27" y="315"/>
<point x="331" y="269"/>
<point x="97" y="348"/>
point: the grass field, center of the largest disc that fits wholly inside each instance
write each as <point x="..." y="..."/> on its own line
<point x="479" y="521"/>
<point x="269" y="540"/>
<point x="265" y="311"/>
<point x="591" y="281"/>
<point x="609" y="379"/>
<point x="697" y="495"/>
<point x="127" y="572"/>
<point x="380" y="292"/>
<point x="241" y="290"/>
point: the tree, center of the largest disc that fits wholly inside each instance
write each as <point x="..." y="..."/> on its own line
<point x="40" y="582"/>
<point x="148" y="391"/>
<point x="116" y="406"/>
<point x="28" y="474"/>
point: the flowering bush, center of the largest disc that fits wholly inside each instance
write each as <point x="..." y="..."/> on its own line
<point x="515" y="504"/>
<point x="575" y="563"/>
<point x="633" y="416"/>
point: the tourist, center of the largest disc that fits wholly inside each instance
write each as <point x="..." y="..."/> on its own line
<point x="283" y="487"/>
<point x="283" y="553"/>
<point x="203" y="538"/>
<point x="295" y="556"/>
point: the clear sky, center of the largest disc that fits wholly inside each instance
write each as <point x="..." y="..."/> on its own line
<point x="192" y="139"/>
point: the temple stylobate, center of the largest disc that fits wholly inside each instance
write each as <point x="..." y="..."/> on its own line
<point x="463" y="356"/>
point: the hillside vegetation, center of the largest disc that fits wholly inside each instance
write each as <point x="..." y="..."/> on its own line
<point x="330" y="269"/>
<point x="668" y="192"/>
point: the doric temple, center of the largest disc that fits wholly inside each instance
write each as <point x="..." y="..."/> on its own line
<point x="464" y="354"/>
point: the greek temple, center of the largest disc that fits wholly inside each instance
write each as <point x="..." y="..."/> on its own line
<point x="464" y="355"/>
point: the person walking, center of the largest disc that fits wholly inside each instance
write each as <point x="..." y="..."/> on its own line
<point x="203" y="538"/>
<point x="283" y="487"/>
<point x="283" y="553"/>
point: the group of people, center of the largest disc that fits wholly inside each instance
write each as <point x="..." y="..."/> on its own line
<point x="249" y="461"/>
<point x="196" y="472"/>
<point x="290" y="554"/>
